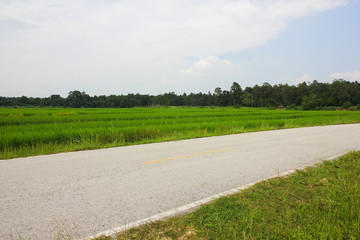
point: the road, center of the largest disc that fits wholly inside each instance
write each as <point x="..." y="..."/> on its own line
<point x="83" y="193"/>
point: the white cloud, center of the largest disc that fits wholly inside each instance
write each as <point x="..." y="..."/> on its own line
<point x="166" y="80"/>
<point x="306" y="78"/>
<point x="271" y="61"/>
<point x="130" y="45"/>
<point x="206" y="65"/>
<point x="349" y="76"/>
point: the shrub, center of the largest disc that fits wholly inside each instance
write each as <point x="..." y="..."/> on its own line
<point x="293" y="107"/>
<point x="347" y="104"/>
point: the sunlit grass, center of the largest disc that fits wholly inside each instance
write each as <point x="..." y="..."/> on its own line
<point x="35" y="131"/>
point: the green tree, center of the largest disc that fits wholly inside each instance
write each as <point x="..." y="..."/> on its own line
<point x="218" y="93"/>
<point x="22" y="101"/>
<point x="271" y="103"/>
<point x="246" y="99"/>
<point x="235" y="92"/>
<point x="340" y="92"/>
<point x="311" y="102"/>
<point x="56" y="100"/>
<point x="77" y="99"/>
<point x="163" y="100"/>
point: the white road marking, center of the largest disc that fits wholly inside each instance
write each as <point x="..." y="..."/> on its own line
<point x="196" y="204"/>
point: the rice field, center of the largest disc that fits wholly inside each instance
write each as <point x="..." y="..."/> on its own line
<point x="36" y="131"/>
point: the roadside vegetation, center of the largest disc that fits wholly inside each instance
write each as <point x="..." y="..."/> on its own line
<point x="321" y="202"/>
<point x="36" y="131"/>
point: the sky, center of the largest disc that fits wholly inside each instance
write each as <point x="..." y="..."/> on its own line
<point x="106" y="47"/>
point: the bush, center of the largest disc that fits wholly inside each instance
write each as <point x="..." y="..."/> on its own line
<point x="292" y="107"/>
<point x="353" y="108"/>
<point x="347" y="104"/>
<point x="330" y="108"/>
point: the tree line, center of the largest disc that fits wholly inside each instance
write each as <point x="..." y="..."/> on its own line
<point x="308" y="96"/>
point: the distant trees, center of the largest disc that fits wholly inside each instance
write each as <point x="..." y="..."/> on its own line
<point x="78" y="99"/>
<point x="56" y="100"/>
<point x="311" y="102"/>
<point x="309" y="96"/>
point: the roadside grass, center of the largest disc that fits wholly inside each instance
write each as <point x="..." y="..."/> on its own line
<point x="36" y="131"/>
<point x="321" y="202"/>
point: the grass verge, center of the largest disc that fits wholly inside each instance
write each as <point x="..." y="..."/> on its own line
<point x="321" y="202"/>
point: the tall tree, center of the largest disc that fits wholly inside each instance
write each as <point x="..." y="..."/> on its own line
<point x="77" y="99"/>
<point x="235" y="92"/>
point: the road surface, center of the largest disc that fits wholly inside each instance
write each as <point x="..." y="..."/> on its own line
<point x="83" y="193"/>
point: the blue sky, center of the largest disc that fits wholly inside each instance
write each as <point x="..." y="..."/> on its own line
<point x="316" y="46"/>
<point x="153" y="47"/>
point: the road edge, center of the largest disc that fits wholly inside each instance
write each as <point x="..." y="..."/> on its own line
<point x="194" y="205"/>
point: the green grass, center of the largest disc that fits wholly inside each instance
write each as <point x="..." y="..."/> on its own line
<point x="36" y="131"/>
<point x="321" y="202"/>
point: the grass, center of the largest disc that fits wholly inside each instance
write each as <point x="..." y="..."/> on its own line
<point x="37" y="131"/>
<point x="321" y="202"/>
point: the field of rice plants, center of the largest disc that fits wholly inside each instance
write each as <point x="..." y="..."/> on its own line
<point x="36" y="131"/>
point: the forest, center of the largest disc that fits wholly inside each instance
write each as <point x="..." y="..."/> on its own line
<point x="307" y="96"/>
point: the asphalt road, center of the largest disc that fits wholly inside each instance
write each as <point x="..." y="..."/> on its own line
<point x="83" y="193"/>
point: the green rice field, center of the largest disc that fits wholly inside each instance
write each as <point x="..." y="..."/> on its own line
<point x="36" y="131"/>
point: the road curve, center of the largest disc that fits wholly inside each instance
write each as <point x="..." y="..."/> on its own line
<point x="82" y="193"/>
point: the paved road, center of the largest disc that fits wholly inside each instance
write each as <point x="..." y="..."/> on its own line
<point x="87" y="192"/>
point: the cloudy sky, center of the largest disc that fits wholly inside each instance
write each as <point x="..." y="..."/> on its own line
<point x="108" y="47"/>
